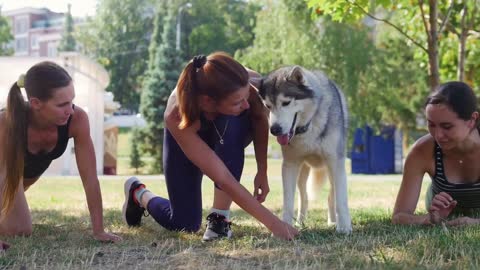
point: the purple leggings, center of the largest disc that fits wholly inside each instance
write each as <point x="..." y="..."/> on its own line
<point x="183" y="212"/>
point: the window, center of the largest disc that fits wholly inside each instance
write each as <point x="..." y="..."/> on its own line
<point x="21" y="25"/>
<point x="34" y="41"/>
<point x="52" y="49"/>
<point x="21" y="45"/>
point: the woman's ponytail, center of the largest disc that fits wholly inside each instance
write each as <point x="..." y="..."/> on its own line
<point x="187" y="97"/>
<point x="15" y="141"/>
<point x="40" y="82"/>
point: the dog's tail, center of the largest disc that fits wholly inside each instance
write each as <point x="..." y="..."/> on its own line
<point x="316" y="180"/>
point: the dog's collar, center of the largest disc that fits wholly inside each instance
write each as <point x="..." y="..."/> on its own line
<point x="302" y="129"/>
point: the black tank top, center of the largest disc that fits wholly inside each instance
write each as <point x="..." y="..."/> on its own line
<point x="36" y="164"/>
<point x="467" y="195"/>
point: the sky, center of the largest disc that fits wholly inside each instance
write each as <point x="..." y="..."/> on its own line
<point x="80" y="8"/>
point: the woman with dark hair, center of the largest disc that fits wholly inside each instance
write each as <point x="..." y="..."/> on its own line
<point x="211" y="116"/>
<point x="34" y="133"/>
<point x="450" y="154"/>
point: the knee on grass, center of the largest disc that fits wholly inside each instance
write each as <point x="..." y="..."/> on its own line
<point x="18" y="230"/>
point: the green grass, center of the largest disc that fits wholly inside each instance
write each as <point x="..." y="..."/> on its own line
<point x="123" y="155"/>
<point x="61" y="237"/>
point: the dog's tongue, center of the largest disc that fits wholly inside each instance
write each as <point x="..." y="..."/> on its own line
<point x="283" y="139"/>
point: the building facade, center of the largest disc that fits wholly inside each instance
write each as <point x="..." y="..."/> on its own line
<point x="36" y="31"/>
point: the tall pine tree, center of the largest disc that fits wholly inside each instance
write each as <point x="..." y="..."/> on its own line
<point x="156" y="38"/>
<point x="160" y="81"/>
<point x="68" y="44"/>
<point x="135" y="158"/>
<point x="5" y="36"/>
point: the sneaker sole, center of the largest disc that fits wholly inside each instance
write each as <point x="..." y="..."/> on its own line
<point x="215" y="236"/>
<point x="126" y="190"/>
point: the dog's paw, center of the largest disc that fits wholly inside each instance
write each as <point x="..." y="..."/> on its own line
<point x="346" y="229"/>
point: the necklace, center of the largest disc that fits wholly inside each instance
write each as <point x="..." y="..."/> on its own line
<point x="218" y="133"/>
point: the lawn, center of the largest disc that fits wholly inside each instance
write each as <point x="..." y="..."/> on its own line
<point x="61" y="237"/>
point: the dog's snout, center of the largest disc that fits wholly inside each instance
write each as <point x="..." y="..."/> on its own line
<point x="276" y="130"/>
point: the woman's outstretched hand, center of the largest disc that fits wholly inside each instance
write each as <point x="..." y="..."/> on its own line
<point x="463" y="221"/>
<point x="284" y="231"/>
<point x="107" y="237"/>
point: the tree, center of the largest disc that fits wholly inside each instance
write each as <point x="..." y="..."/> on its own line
<point x="284" y="35"/>
<point x="156" y="38"/>
<point x="218" y="25"/>
<point x="159" y="83"/>
<point x="376" y="69"/>
<point x="5" y="37"/>
<point x="287" y="35"/>
<point x="393" y="91"/>
<point x="431" y="17"/>
<point x="462" y="23"/>
<point x="67" y="43"/>
<point x="118" y="38"/>
<point x="135" y="158"/>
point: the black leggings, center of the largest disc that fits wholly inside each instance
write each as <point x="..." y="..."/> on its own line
<point x="183" y="210"/>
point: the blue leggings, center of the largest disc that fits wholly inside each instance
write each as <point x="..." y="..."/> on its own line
<point x="183" y="212"/>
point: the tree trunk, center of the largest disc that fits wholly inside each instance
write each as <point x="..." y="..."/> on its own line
<point x="461" y="44"/>
<point x="461" y="57"/>
<point x="434" y="75"/>
<point x="405" y="138"/>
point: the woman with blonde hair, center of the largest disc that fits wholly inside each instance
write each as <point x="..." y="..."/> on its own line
<point x="35" y="132"/>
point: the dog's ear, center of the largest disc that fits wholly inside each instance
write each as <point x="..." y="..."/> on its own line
<point x="296" y="75"/>
<point x="261" y="88"/>
<point x="255" y="81"/>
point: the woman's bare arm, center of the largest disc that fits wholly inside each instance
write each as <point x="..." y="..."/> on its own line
<point x="259" y="119"/>
<point x="416" y="165"/>
<point x="87" y="167"/>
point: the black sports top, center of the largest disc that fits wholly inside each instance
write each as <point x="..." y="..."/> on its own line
<point x="36" y="164"/>
<point x="467" y="195"/>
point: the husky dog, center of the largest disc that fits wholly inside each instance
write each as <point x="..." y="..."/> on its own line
<point x="308" y="115"/>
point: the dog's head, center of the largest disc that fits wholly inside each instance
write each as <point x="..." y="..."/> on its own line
<point x="286" y="94"/>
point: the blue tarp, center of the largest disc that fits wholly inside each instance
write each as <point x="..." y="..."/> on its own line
<point x="373" y="154"/>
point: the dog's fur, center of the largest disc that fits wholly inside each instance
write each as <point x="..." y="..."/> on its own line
<point x="308" y="114"/>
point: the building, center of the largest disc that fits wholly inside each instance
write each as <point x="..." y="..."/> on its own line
<point x="90" y="80"/>
<point x="36" y="31"/>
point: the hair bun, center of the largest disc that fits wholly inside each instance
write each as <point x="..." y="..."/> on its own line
<point x="199" y="61"/>
<point x="21" y="81"/>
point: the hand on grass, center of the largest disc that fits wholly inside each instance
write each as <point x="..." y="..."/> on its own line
<point x="4" y="245"/>
<point x="442" y="205"/>
<point x="261" y="188"/>
<point x="284" y="231"/>
<point x="462" y="221"/>
<point x="107" y="237"/>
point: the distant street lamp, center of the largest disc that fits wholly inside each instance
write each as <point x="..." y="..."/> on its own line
<point x="179" y="23"/>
